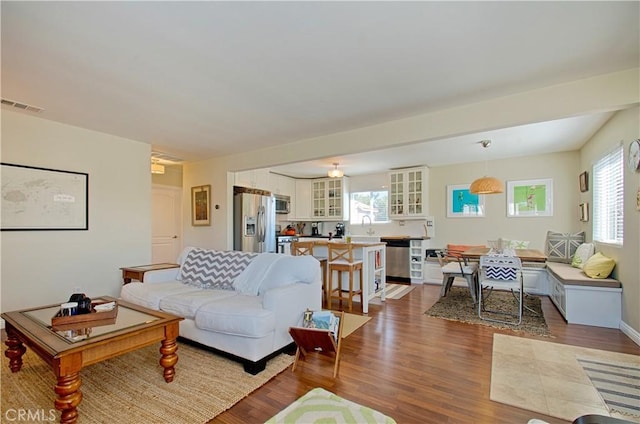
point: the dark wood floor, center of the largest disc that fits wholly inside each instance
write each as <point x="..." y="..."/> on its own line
<point x="415" y="368"/>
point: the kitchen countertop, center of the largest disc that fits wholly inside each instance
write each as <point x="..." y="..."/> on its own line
<point x="325" y="242"/>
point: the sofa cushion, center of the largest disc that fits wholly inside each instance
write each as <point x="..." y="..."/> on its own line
<point x="599" y="266"/>
<point x="583" y="252"/>
<point x="150" y="295"/>
<point x="211" y="269"/>
<point x="270" y="270"/>
<point x="561" y="247"/>
<point x="571" y="276"/>
<point x="187" y="304"/>
<point x="291" y="270"/>
<point x="239" y="315"/>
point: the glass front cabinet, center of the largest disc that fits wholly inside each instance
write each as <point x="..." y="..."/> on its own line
<point x="331" y="199"/>
<point x="407" y="193"/>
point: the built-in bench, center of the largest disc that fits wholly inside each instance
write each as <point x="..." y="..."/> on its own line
<point x="584" y="300"/>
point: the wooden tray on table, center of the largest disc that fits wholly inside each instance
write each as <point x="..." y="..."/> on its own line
<point x="92" y="319"/>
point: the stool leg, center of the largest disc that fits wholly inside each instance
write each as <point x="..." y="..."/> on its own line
<point x="350" y="290"/>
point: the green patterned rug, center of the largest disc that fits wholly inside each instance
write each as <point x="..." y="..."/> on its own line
<point x="321" y="406"/>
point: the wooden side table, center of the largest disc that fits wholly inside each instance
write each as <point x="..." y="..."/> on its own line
<point x="137" y="272"/>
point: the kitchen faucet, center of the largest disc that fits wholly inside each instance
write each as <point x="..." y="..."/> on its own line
<point x="370" y="231"/>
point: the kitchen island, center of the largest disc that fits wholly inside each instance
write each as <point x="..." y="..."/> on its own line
<point x="373" y="255"/>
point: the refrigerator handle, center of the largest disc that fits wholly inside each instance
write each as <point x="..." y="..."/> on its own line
<point x="261" y="224"/>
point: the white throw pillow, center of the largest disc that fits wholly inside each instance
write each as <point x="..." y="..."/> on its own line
<point x="583" y="253"/>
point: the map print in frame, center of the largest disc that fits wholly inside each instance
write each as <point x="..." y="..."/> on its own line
<point x="43" y="199"/>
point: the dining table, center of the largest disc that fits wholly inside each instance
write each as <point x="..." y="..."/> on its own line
<point x="525" y="255"/>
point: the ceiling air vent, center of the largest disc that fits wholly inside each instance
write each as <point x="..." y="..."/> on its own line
<point x="22" y="106"/>
<point x="165" y="157"/>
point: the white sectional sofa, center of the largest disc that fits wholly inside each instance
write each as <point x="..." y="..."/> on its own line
<point x="234" y="302"/>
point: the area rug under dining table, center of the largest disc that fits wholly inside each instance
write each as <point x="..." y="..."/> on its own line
<point x="458" y="306"/>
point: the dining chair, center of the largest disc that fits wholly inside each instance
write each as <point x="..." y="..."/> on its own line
<point x="301" y="248"/>
<point x="341" y="260"/>
<point x="452" y="266"/>
<point x="503" y="271"/>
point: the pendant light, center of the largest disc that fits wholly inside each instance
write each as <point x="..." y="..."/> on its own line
<point x="486" y="185"/>
<point x="335" y="172"/>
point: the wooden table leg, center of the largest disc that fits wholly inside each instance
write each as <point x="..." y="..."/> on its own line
<point x="169" y="358"/>
<point x="15" y="350"/>
<point x="69" y="397"/>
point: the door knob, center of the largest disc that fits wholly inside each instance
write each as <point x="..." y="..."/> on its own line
<point x="175" y="237"/>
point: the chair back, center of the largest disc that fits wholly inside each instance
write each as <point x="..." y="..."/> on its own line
<point x="495" y="267"/>
<point x="302" y="248"/>
<point x="340" y="252"/>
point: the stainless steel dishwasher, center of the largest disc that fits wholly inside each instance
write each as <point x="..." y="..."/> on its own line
<point x="397" y="265"/>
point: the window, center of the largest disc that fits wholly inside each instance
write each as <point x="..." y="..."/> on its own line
<point x="608" y="200"/>
<point x="372" y="204"/>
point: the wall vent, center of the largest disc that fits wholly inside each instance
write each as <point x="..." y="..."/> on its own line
<point x="21" y="106"/>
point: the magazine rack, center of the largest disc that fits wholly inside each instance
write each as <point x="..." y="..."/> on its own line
<point x="310" y="340"/>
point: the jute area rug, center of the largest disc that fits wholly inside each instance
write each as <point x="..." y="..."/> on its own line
<point x="352" y="322"/>
<point x="457" y="306"/>
<point x="130" y="388"/>
<point x="564" y="381"/>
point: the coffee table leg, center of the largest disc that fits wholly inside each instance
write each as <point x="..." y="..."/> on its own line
<point x="169" y="358"/>
<point x="69" y="397"/>
<point x="15" y="350"/>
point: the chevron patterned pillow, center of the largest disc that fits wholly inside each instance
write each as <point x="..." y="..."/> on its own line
<point x="562" y="246"/>
<point x="211" y="269"/>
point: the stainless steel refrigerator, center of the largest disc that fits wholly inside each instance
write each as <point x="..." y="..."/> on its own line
<point x="254" y="220"/>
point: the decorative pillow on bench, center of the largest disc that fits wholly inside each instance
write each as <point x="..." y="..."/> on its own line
<point x="599" y="266"/>
<point x="562" y="246"/>
<point x="583" y="253"/>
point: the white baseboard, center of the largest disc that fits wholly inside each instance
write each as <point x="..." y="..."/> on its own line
<point x="630" y="332"/>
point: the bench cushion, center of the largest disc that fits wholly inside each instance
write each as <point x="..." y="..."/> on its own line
<point x="571" y="276"/>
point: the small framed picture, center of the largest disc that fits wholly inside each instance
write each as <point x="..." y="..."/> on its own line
<point x="584" y="181"/>
<point x="530" y="198"/>
<point x="200" y="209"/>
<point x="461" y="203"/>
<point x="584" y="212"/>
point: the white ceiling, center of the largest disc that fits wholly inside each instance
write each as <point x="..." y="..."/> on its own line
<point x="203" y="79"/>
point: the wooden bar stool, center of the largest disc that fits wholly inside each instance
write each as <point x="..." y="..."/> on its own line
<point x="341" y="260"/>
<point x="301" y="248"/>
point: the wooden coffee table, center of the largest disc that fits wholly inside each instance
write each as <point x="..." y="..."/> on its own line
<point x="68" y="351"/>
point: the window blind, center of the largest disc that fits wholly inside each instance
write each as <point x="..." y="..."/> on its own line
<point x="608" y="199"/>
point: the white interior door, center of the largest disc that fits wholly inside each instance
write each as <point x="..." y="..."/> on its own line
<point x="166" y="224"/>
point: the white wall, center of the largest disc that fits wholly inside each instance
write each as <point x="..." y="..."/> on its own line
<point x="622" y="127"/>
<point x="43" y="267"/>
<point x="562" y="168"/>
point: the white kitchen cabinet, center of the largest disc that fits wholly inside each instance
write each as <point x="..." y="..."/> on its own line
<point x="281" y="184"/>
<point x="408" y="193"/>
<point x="330" y="199"/>
<point x="301" y="201"/>
<point x="254" y="178"/>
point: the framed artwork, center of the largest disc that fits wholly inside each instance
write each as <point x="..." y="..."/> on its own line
<point x="584" y="181"/>
<point x="584" y="212"/>
<point x="40" y="199"/>
<point x="461" y="203"/>
<point x="530" y="198"/>
<point x="200" y="205"/>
